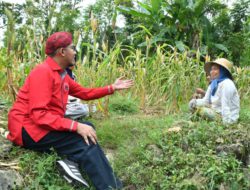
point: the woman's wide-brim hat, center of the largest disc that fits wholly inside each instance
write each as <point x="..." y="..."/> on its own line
<point x="220" y="61"/>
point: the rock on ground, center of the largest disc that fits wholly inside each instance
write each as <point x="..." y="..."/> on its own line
<point x="9" y="179"/>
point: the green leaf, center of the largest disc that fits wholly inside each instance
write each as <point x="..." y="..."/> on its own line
<point x="154" y="40"/>
<point x="145" y="29"/>
<point x="133" y="12"/>
<point x="221" y="47"/>
<point x="180" y="45"/>
<point x="156" y="4"/>
<point x="145" y="6"/>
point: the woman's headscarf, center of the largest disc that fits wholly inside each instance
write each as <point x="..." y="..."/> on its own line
<point x="224" y="74"/>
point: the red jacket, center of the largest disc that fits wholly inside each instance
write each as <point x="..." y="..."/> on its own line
<point x="41" y="102"/>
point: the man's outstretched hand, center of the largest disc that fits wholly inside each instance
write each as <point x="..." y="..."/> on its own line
<point x="121" y="84"/>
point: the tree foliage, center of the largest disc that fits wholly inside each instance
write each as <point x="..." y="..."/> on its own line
<point x="209" y="26"/>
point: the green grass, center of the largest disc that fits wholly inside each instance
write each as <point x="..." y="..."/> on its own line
<point x="147" y="156"/>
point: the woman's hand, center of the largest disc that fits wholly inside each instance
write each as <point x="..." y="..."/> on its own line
<point x="192" y="105"/>
<point x="200" y="91"/>
<point x="87" y="132"/>
<point x="121" y="84"/>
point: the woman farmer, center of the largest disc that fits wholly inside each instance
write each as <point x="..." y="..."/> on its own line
<point x="221" y="100"/>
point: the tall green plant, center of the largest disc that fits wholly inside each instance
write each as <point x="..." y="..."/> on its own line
<point x="166" y="79"/>
<point x="10" y="37"/>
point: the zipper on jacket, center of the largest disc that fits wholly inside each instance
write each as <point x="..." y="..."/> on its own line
<point x="62" y="82"/>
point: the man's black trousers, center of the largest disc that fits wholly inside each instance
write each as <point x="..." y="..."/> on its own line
<point x="90" y="158"/>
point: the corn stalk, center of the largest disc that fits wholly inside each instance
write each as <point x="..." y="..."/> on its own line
<point x="10" y="39"/>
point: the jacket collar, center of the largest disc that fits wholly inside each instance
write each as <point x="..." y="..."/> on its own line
<point x="53" y="64"/>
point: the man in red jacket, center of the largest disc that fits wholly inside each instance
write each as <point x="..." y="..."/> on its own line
<point x="36" y="120"/>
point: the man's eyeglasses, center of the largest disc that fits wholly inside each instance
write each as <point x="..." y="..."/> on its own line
<point x="73" y="47"/>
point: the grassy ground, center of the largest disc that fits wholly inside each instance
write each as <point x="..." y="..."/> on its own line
<point x="146" y="155"/>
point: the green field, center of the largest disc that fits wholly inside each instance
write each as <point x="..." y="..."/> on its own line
<point x="146" y="155"/>
<point x="147" y="132"/>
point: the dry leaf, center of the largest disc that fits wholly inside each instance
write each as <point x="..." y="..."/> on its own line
<point x="219" y="140"/>
<point x="174" y="129"/>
